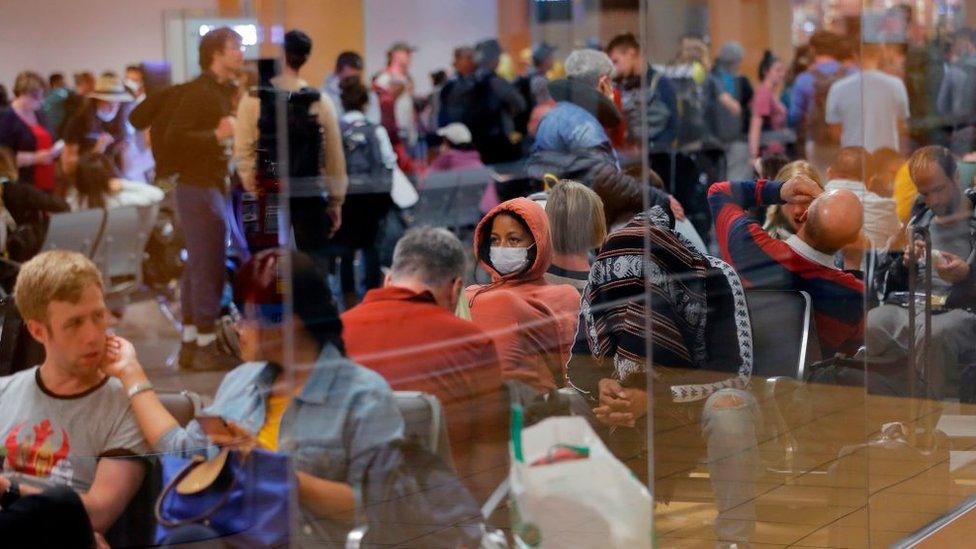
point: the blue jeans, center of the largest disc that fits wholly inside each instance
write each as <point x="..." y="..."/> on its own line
<point x="201" y="212"/>
<point x="728" y="425"/>
<point x="730" y="422"/>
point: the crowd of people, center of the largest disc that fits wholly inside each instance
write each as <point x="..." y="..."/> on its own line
<point x="644" y="243"/>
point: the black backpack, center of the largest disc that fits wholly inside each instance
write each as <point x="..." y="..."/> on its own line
<point x="412" y="499"/>
<point x="692" y="106"/>
<point x="367" y="172"/>
<point x="305" y="135"/>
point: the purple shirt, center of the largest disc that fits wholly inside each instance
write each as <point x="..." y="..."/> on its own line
<point x="802" y="93"/>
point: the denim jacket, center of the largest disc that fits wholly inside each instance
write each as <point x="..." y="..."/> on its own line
<point x="568" y="127"/>
<point x="343" y="412"/>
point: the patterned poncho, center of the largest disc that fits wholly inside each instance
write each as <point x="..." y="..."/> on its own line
<point x="698" y="323"/>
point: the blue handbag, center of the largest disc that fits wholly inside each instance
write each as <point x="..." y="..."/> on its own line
<point x="243" y="497"/>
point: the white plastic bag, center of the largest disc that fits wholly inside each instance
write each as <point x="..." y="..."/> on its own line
<point x="593" y="502"/>
<point x="403" y="192"/>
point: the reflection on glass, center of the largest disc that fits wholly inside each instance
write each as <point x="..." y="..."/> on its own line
<point x="592" y="274"/>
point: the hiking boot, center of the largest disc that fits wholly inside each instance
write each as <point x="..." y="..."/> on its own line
<point x="210" y="358"/>
<point x="187" y="352"/>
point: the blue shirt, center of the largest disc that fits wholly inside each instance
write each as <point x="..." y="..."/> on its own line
<point x="568" y="127"/>
<point x="802" y="93"/>
<point x="330" y="429"/>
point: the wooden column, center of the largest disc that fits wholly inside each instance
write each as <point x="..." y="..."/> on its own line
<point x="514" y="25"/>
<point x="756" y="24"/>
<point x="333" y="25"/>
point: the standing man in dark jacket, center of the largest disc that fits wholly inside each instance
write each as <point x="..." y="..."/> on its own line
<point x="492" y="105"/>
<point x="199" y="137"/>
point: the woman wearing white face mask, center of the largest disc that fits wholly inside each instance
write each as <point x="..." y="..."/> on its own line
<point x="99" y="126"/>
<point x="532" y="321"/>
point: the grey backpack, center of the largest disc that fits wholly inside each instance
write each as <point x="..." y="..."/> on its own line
<point x="364" y="162"/>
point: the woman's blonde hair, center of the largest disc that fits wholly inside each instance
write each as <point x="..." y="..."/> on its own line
<point x="28" y="82"/>
<point x="775" y="220"/>
<point x="576" y="218"/>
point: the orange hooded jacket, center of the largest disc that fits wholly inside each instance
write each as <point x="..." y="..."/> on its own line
<point x="532" y="322"/>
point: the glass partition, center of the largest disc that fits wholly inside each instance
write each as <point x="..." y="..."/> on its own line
<point x="505" y="273"/>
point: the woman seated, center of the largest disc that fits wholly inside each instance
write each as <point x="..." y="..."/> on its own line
<point x="651" y="291"/>
<point x="321" y="408"/>
<point x="24" y="211"/>
<point x="532" y="321"/>
<point x="781" y="219"/>
<point x="578" y="225"/>
<point x="97" y="187"/>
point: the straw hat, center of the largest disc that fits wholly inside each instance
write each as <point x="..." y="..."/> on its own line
<point x="109" y="87"/>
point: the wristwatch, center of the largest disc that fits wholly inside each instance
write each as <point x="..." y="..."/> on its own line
<point x="140" y="387"/>
<point x="12" y="494"/>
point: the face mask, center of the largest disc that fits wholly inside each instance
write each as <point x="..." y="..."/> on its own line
<point x="508" y="260"/>
<point x="107" y="116"/>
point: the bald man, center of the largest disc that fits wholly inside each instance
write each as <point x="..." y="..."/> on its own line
<point x="831" y="221"/>
<point x="848" y="171"/>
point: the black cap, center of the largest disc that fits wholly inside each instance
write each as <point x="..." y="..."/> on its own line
<point x="297" y="42"/>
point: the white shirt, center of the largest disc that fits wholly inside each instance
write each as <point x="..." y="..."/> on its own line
<point x="130" y="193"/>
<point x="403" y="110"/>
<point x="804" y="249"/>
<point x="880" y="214"/>
<point x="872" y="124"/>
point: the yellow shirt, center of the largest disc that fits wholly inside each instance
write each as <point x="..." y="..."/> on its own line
<point x="268" y="435"/>
<point x="904" y="193"/>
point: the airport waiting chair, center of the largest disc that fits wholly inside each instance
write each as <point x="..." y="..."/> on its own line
<point x="424" y="423"/>
<point x="75" y="231"/>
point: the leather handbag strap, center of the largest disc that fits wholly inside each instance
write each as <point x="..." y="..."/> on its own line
<point x="171" y="485"/>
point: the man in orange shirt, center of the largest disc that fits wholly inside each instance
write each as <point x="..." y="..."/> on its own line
<point x="408" y="333"/>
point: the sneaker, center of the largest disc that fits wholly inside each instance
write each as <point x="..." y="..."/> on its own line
<point x="211" y="358"/>
<point x="187" y="352"/>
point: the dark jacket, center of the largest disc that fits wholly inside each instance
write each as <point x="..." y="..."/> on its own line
<point x="156" y="113"/>
<point x="961" y="295"/>
<point x="622" y="194"/>
<point x="17" y="136"/>
<point x="487" y="104"/>
<point x="200" y="159"/>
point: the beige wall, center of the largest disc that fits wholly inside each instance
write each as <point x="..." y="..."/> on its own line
<point x="95" y="35"/>
<point x="333" y="25"/>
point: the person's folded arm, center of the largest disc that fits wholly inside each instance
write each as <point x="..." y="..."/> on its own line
<point x="142" y="116"/>
<point x="743" y="242"/>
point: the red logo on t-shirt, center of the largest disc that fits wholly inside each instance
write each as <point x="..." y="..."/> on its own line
<point x="35" y="455"/>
